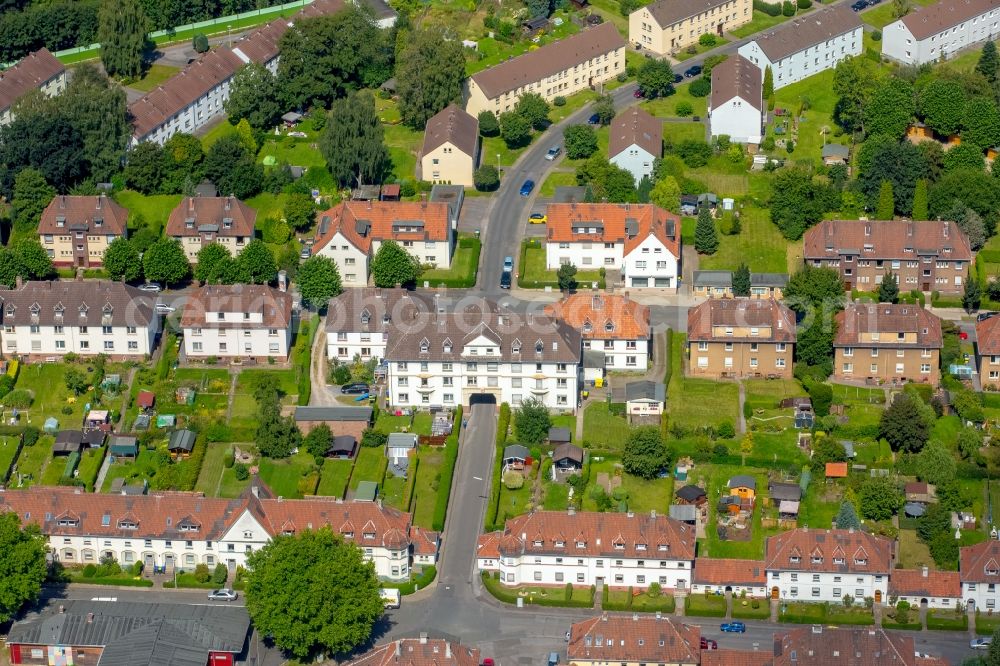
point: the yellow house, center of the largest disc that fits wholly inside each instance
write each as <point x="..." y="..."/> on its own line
<point x="451" y="147"/>
<point x="667" y="26"/>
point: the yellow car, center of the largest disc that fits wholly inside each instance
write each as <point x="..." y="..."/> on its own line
<point x="538" y="218"/>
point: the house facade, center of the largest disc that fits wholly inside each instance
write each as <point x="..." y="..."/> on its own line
<point x="740" y="337"/>
<point x="39" y="70"/>
<point x="665" y="27"/>
<point x="825" y="565"/>
<point x="581" y="61"/>
<point x="47" y="320"/>
<point x="359" y="320"/>
<point x="719" y="284"/>
<point x="717" y="575"/>
<point x="635" y="141"/>
<point x="451" y="147"/>
<point x="200" y="221"/>
<point x="937" y="32"/>
<point x="76" y="230"/>
<point x="633" y="640"/>
<point x="887" y="343"/>
<point x="247" y="322"/>
<point x="931" y="255"/>
<point x="583" y="548"/>
<point x="806" y="46"/>
<point x="988" y="352"/>
<point x="640" y="240"/>
<point x="613" y="324"/>
<point x="940" y="589"/>
<point x="736" y="105"/>
<point x="979" y="574"/>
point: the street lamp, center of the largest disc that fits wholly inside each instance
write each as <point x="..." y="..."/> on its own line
<point x="498" y="163"/>
<point x="229" y="38"/>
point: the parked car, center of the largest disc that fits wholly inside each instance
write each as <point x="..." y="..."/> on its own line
<point x="638" y="94"/>
<point x="222" y="595"/>
<point x="860" y="5"/>
<point x="390" y="597"/>
<point x="505" y="280"/>
<point x="553" y="658"/>
<point x="708" y="644"/>
<point x="527" y="187"/>
<point x="508" y="264"/>
<point x="981" y="643"/>
<point x="983" y="316"/>
<point x="678" y="78"/>
<point x="692" y="71"/>
<point x="538" y="218"/>
<point x="553" y="153"/>
<point x="151" y="287"/>
<point x="488" y="661"/>
<point x="163" y="308"/>
<point x="305" y="253"/>
<point x="594" y="119"/>
<point x="354" y="389"/>
<point x="733" y="627"/>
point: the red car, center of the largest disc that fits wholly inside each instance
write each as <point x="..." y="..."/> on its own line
<point x="488" y="661"/>
<point x="638" y="94"/>
<point x="709" y="644"/>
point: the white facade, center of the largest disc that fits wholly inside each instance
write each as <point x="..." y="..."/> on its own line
<point x="651" y="264"/>
<point x="983" y="595"/>
<point x="809" y="586"/>
<point x="636" y="160"/>
<point x="941" y="603"/>
<point x="900" y="44"/>
<point x="434" y="253"/>
<point x="644" y="407"/>
<point x="345" y="346"/>
<point x="720" y="588"/>
<point x="193" y="116"/>
<point x="806" y="62"/>
<point x="584" y="571"/>
<point x="352" y="261"/>
<point x="204" y="342"/>
<point x="626" y="355"/>
<point x="237" y="321"/>
<point x="738" y="119"/>
<point x="57" y="340"/>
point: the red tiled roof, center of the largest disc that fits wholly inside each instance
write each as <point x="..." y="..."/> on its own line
<point x="488" y="545"/>
<point x="212" y="211"/>
<point x="361" y="222"/>
<point x="826" y="646"/>
<point x="33" y="71"/>
<point x="613" y="222"/>
<point x="145" y="399"/>
<point x="913" y="583"/>
<point x="275" y="305"/>
<point x="419" y="652"/>
<point x="451" y="125"/>
<point x="638" y="127"/>
<point x="620" y="638"/>
<point x="81" y="213"/>
<point x="887" y="318"/>
<point x="836" y="470"/>
<point x="729" y="572"/>
<point x="629" y="320"/>
<point x="724" y="657"/>
<point x="850" y="546"/>
<point x="889" y="239"/>
<point x="988" y="336"/>
<point x="741" y="312"/>
<point x="975" y="561"/>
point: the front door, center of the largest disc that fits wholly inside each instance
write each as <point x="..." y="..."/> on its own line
<point x="719" y="29"/>
<point x="774" y="592"/>
<point x="878" y="596"/>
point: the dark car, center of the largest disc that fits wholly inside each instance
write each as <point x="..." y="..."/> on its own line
<point x="678" y="78"/>
<point x="860" y="5"/>
<point x="692" y="71"/>
<point x="505" y="280"/>
<point x="594" y="119"/>
<point x="708" y="644"/>
<point x="354" y="389"/>
<point x="983" y="316"/>
<point x="527" y="187"/>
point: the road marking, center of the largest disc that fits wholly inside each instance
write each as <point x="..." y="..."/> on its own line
<point x="104" y="598"/>
<point x="477" y="478"/>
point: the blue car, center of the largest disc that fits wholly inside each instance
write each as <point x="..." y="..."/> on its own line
<point x="733" y="627"/>
<point x="528" y="186"/>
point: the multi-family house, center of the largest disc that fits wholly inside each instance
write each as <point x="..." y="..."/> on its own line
<point x="937" y="589"/>
<point x="351" y="233"/>
<point x="887" y="343"/>
<point x="46" y="320"/>
<point x="808" y="45"/>
<point x="39" y="70"/>
<point x="719" y="284"/>
<point x="932" y="255"/>
<point x="635" y="142"/>
<point x="453" y="358"/>
<point x="359" y="320"/>
<point x="612" y="324"/>
<point x="988" y="351"/>
<point x="717" y="575"/>
<point x="979" y="574"/>
<point x="826" y="565"/>
<point x="736" y="105"/>
<point x="642" y="241"/>
<point x="422" y="651"/>
<point x="740" y="337"/>
<point x="182" y="530"/>
<point x="247" y="322"/>
<point x="937" y="32"/>
<point x="830" y="646"/>
<point x="198" y="221"/>
<point x="76" y="230"/>
<point x="623" y="639"/>
<point x="451" y="147"/>
<point x="581" y="61"/>
<point x="587" y="548"/>
<point x="667" y="26"/>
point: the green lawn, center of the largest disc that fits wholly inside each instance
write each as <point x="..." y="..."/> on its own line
<point x="55" y="470"/>
<point x="393" y="489"/>
<point x="556" y="496"/>
<point x="494" y="151"/>
<point x="666" y="107"/>
<point x="287" y="381"/>
<point x="567" y="421"/>
<point x="882" y="15"/>
<point x="31" y="462"/>
<point x="334" y="477"/>
<point x="610" y="10"/>
<point x="155" y="76"/>
<point x="220" y="130"/>
<point x="369" y="466"/>
<point x="154" y="208"/>
<point x="143" y="468"/>
<point x="492" y="51"/>
<point x="426" y="485"/>
<point x="674" y="133"/>
<point x="642" y="496"/>
<point x="913" y="553"/>
<point x="759" y="245"/>
<point x="46" y="382"/>
<point x="820" y="504"/>
<point x="464" y="266"/>
<point x="716" y="483"/>
<point x="231" y="486"/>
<point x="515" y="502"/>
<point x="389" y="423"/>
<point x="404" y="146"/>
<point x="602" y="430"/>
<point x="533" y="274"/>
<point x="693" y="403"/>
<point x="210" y="477"/>
<point x="556" y="179"/>
<point x="268" y="205"/>
<point x="815" y="92"/>
<point x="761" y="21"/>
<point x="292" y="151"/>
<point x="282" y="476"/>
<point x="699" y="49"/>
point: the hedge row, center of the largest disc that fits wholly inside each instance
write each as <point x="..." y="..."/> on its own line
<point x="510" y="596"/>
<point x="948" y="624"/>
<point x="411" y="481"/>
<point x="302" y="357"/>
<point x="122" y="582"/>
<point x="493" y="510"/>
<point x="193" y="468"/>
<point x="423" y="579"/>
<point x="447" y="473"/>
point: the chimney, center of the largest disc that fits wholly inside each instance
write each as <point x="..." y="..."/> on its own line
<point x="868" y="228"/>
<point x="100" y="199"/>
<point x="282" y="281"/>
<point x="923" y="571"/>
<point x="191" y="205"/>
<point x="604" y="617"/>
<point x="62" y="609"/>
<point x="659" y="615"/>
<point x="850" y="530"/>
<point x="19" y="282"/>
<point x="62" y="201"/>
<point x="423" y="638"/>
<point x="398" y="650"/>
<point x="652" y="514"/>
<point x="90" y="618"/>
<point x="447" y="650"/>
<point x="229" y="202"/>
<point x="945" y="228"/>
<point x="625" y="297"/>
<point x="571" y="511"/>
<point x="909" y="229"/>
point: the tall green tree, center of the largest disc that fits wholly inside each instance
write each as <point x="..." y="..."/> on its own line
<point x="566" y="277"/>
<point x="972" y="296"/>
<point x="121" y="31"/>
<point x="942" y="103"/>
<point x="706" y="241"/>
<point x="183" y="163"/>
<point x="392" y="265"/>
<point x="981" y="125"/>
<point x="145" y="168"/>
<point x="607" y="182"/>
<point x="300" y="211"/>
<point x="233" y="168"/>
<point x="797" y="202"/>
<point x="904" y="425"/>
<point x="769" y="87"/>
<point x="429" y="75"/>
<point x="889" y="107"/>
<point x="164" y="261"/>
<point x="936" y="464"/>
<point x="667" y="194"/>
<point x="854" y="78"/>
<point x="352" y="142"/>
<point x="515" y="129"/>
<point x="902" y="164"/>
<point x="212" y="266"/>
<point x="532" y="422"/>
<point x="292" y="596"/>
<point x="655" y="78"/>
<point x="879" y="498"/>
<point x="48" y="142"/>
<point x="318" y="280"/>
<point x="258" y="260"/>
<point x="741" y="280"/>
<point x="488" y="124"/>
<point x="318" y="441"/>
<point x="580" y="141"/>
<point x="920" y="200"/>
<point x="33" y="260"/>
<point x="988" y="63"/>
<point x="886" y="204"/>
<point x="888" y="289"/>
<point x="847" y="517"/>
<point x="254" y="95"/>
<point x="645" y="453"/>
<point x="22" y="564"/>
<point x="121" y="260"/>
<point x="31" y="195"/>
<point x="604" y="107"/>
<point x="96" y="107"/>
<point x="533" y="108"/>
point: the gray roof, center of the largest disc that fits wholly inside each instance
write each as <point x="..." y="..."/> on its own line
<point x="744" y="480"/>
<point x="73" y="303"/>
<point x="835" y="150"/>
<point x="570" y="194"/>
<point x="134" y="633"/>
<point x="559" y="435"/>
<point x="801" y="33"/>
<point x="366" y="491"/>
<point x="769" y="280"/>
<point x="683" y="512"/>
<point x="645" y="390"/>
<point x="182" y="440"/>
<point x="594" y="358"/>
<point x="402" y="440"/>
<point x="342" y="444"/>
<point x="516" y="451"/>
<point x="452" y="125"/>
<point x="785" y="491"/>
<point x="378" y="307"/>
<point x="713" y="278"/>
<point x="923" y="22"/>
<point x="124" y="444"/>
<point x="345" y="413"/>
<point x="690" y="493"/>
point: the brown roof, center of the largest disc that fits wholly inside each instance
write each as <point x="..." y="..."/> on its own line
<point x="829" y="546"/>
<point x="553" y="58"/>
<point x="653" y="536"/>
<point x="603" y="316"/>
<point x="630" y="224"/>
<point x="988" y="336"/>
<point x="567" y="450"/>
<point x="275" y="305"/>
<point x="727" y="657"/>
<point x="636" y="127"/>
<point x="361" y="222"/>
<point x="419" y="652"/>
<point x="364" y="309"/>
<point x="488" y="545"/>
<point x="91" y="303"/>
<point x="836" y="470"/>
<point x="737" y="77"/>
<point x="802" y="33"/>
<point x="742" y="312"/>
<point x="622" y="638"/>
<point x="916" y="488"/>
<point x="975" y="561"/>
<point x="83" y="213"/>
<point x="923" y="22"/>
<point x="261" y="45"/>
<point x="33" y="71"/>
<point x="223" y="216"/>
<point x="887" y="318"/>
<point x="890" y="239"/>
<point x="669" y="12"/>
<point x="826" y="646"/>
<point x="914" y="583"/>
<point x="729" y="572"/>
<point x="452" y="125"/>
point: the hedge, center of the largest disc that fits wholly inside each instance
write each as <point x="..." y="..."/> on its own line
<point x="960" y="623"/>
<point x="908" y="626"/>
<point x="423" y="579"/>
<point x="510" y="596"/>
<point x="493" y="510"/>
<point x="704" y="611"/>
<point x="447" y="473"/>
<point x="741" y="612"/>
<point x="122" y="582"/>
<point x="989" y="256"/>
<point x="302" y="357"/>
<point x="193" y="467"/>
<point x="411" y="480"/>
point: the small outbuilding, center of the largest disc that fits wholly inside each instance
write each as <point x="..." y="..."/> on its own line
<point x="146" y="400"/>
<point x="914" y="509"/>
<point x="743" y="486"/>
<point x="568" y="457"/>
<point x="836" y="470"/>
<point x="291" y="118"/>
<point x="691" y="495"/>
<point x="515" y="456"/>
<point x="342" y="447"/>
<point x="67" y="442"/>
<point x="834" y="153"/>
<point x="366" y="491"/>
<point x="123" y="446"/>
<point x="645" y="398"/>
<point x="788" y="509"/>
<point x="181" y="443"/>
<point x="97" y="419"/>
<point x="781" y="492"/>
<point x="559" y="435"/>
<point x="685" y="513"/>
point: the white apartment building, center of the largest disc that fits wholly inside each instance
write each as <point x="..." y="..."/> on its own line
<point x="937" y="32"/>
<point x="46" y="320"/>
<point x="736" y="105"/>
<point x="635" y="142"/>
<point x="641" y="241"/>
<point x="449" y="359"/>
<point x="799" y="48"/>
<point x="611" y="324"/>
<point x="181" y="530"/>
<point x="250" y="322"/>
<point x="582" y="548"/>
<point x="36" y="71"/>
<point x="979" y="573"/>
<point x="359" y="320"/>
<point x="825" y="565"/>
<point x="740" y="576"/>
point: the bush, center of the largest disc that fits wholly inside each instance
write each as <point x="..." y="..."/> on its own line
<point x="373" y="438"/>
<point x="486" y="178"/>
<point x="726" y="430"/>
<point x="684" y="109"/>
<point x="513" y="480"/>
<point x="559" y="101"/>
<point x="90" y="571"/>
<point x="19" y="399"/>
<point x="229" y="459"/>
<point x="787" y="8"/>
<point x="241" y="471"/>
<point x="31" y="434"/>
<point x="804" y="4"/>
<point x="708" y="40"/>
<point x="220" y="574"/>
<point x="201" y="573"/>
<point x="446" y="475"/>
<point x="700" y="87"/>
<point x="876" y="35"/>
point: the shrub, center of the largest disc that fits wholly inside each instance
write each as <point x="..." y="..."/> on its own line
<point x="708" y="39"/>
<point x="684" y="109"/>
<point x="446" y="476"/>
<point x="804" y="4"/>
<point x="90" y="571"/>
<point x="513" y="480"/>
<point x="373" y="438"/>
<point x="220" y="574"/>
<point x="241" y="471"/>
<point x="787" y="8"/>
<point x="201" y="573"/>
<point x="229" y="459"/>
<point x="700" y="87"/>
<point x="726" y="430"/>
<point x="559" y="101"/>
<point x="31" y="434"/>
<point x="876" y="35"/>
<point x="20" y="399"/>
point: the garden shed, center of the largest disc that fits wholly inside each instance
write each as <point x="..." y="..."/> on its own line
<point x="181" y="443"/>
<point x="123" y="446"/>
<point x="367" y="491"/>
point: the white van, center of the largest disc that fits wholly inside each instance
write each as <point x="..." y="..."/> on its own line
<point x="391" y="597"/>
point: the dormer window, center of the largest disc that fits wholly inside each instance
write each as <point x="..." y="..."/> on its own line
<point x="861" y="561"/>
<point x="587" y="326"/>
<point x="991" y="570"/>
<point x="35" y="308"/>
<point x="515" y="348"/>
<point x="609" y="326"/>
<point x="386" y="318"/>
<point x="539" y="347"/>
<point x="816" y="559"/>
<point x="619" y="546"/>
<point x="560" y="544"/>
<point x="68" y="522"/>
<point x="640" y="546"/>
<point x="127" y="524"/>
<point x="425" y="346"/>
<point x="838" y="560"/>
<point x="365" y="317"/>
<point x="794" y="559"/>
<point x="581" y="544"/>
<point x="368" y="535"/>
<point x="348" y="535"/>
<point x="447" y="346"/>
<point x="663" y="547"/>
<point x="537" y="543"/>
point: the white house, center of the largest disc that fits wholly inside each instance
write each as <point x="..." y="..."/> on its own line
<point x="182" y="530"/>
<point x="645" y="398"/>
<point x="636" y="140"/>
<point x="358" y="320"/>
<point x="612" y="324"/>
<point x="939" y="589"/>
<point x="45" y="320"/>
<point x="825" y="565"/>
<point x="714" y="575"/>
<point x="583" y="548"/>
<point x="979" y="573"/>
<point x="937" y="32"/>
<point x="39" y="70"/>
<point x="641" y="241"/>
<point x="250" y="322"/>
<point x="808" y="45"/>
<point x="399" y="446"/>
<point x="736" y="105"/>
